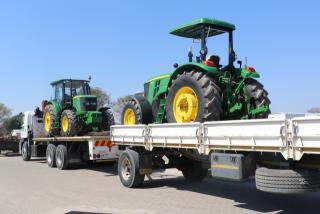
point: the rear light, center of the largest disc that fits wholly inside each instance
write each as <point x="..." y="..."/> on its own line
<point x="98" y="155"/>
<point x="249" y="68"/>
<point x="94" y="156"/>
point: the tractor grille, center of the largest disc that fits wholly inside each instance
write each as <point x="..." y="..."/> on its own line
<point x="89" y="103"/>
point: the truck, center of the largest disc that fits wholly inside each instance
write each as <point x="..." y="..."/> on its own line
<point x="282" y="151"/>
<point x="63" y="152"/>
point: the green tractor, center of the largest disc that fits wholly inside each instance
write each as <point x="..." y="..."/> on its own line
<point x="201" y="89"/>
<point x="73" y="110"/>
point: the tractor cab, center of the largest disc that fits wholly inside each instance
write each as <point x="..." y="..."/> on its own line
<point x="202" y="29"/>
<point x="66" y="89"/>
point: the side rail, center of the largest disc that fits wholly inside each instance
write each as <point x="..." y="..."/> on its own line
<point x="267" y="135"/>
<point x="134" y="135"/>
<point x="174" y="135"/>
<point x="290" y="136"/>
<point x="305" y="136"/>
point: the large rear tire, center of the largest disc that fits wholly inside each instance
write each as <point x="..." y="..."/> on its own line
<point x="69" y="123"/>
<point x="193" y="97"/>
<point x="258" y="97"/>
<point x="50" y="118"/>
<point x="287" y="180"/>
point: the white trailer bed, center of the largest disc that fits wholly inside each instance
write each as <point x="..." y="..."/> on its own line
<point x="290" y="135"/>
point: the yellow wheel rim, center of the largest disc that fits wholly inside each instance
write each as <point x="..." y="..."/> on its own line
<point x="129" y="117"/>
<point x="47" y="121"/>
<point x="185" y="105"/>
<point x="65" y="123"/>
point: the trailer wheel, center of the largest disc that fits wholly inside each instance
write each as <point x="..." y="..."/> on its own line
<point x="62" y="157"/>
<point x="287" y="180"/>
<point x="51" y="155"/>
<point x="129" y="170"/>
<point x="193" y="170"/>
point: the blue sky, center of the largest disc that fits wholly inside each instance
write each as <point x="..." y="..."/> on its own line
<point x="123" y="43"/>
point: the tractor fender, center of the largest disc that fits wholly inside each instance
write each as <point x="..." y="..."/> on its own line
<point x="213" y="71"/>
<point x="247" y="74"/>
<point x="56" y="106"/>
<point x="144" y="106"/>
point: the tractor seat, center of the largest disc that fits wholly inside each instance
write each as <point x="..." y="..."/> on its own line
<point x="213" y="61"/>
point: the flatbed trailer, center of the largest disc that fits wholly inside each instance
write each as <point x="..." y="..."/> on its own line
<point x="62" y="152"/>
<point x="282" y="152"/>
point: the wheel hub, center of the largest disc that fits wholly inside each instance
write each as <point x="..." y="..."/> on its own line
<point x="185" y="105"/>
<point x="65" y="124"/>
<point x="129" y="117"/>
<point x="47" y="121"/>
<point x="126" y="169"/>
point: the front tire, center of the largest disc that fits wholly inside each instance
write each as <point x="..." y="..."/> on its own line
<point x="69" y="123"/>
<point x="25" y="152"/>
<point x="193" y="97"/>
<point x="137" y="111"/>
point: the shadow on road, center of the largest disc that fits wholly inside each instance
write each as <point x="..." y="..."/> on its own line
<point x="245" y="195"/>
<point x="9" y="154"/>
<point x="109" y="169"/>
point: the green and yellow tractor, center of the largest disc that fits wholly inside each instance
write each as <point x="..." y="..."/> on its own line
<point x="201" y="89"/>
<point x="73" y="110"/>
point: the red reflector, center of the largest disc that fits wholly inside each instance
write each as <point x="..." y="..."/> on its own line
<point x="209" y="63"/>
<point x="249" y="68"/>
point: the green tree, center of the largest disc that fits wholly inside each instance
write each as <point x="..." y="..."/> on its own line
<point x="14" y="122"/>
<point x="5" y="112"/>
<point x="103" y="98"/>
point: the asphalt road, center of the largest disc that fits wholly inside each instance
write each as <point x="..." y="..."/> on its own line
<point x="33" y="187"/>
